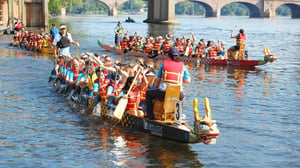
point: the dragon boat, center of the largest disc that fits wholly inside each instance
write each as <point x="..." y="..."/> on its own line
<point x="168" y="121"/>
<point x="211" y="61"/>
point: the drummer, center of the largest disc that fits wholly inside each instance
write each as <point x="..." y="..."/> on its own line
<point x="171" y="72"/>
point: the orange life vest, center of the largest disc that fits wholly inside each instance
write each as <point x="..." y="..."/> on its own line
<point x="180" y="47"/>
<point x="117" y="89"/>
<point x="199" y="51"/>
<point x="143" y="94"/>
<point x="124" y="45"/>
<point x="148" y="47"/>
<point x="241" y="40"/>
<point x="213" y="52"/>
<point x="102" y="89"/>
<point x="133" y="99"/>
<point x="157" y="46"/>
<point x="172" y="72"/>
<point x="130" y="44"/>
<point x="190" y="49"/>
<point x="167" y="46"/>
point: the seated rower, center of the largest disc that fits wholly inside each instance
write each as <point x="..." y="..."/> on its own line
<point x="133" y="97"/>
<point x="199" y="50"/>
<point x="100" y="85"/>
<point x="171" y="72"/>
<point x="221" y="52"/>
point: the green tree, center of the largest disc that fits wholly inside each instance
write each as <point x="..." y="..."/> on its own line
<point x="132" y="5"/>
<point x="283" y="10"/>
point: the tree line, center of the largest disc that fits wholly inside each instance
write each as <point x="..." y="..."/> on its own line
<point x="135" y="6"/>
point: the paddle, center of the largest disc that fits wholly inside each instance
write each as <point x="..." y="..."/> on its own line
<point x="76" y="51"/>
<point x="120" y="109"/>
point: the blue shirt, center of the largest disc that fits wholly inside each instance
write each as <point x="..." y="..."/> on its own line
<point x="118" y="29"/>
<point x="54" y="32"/>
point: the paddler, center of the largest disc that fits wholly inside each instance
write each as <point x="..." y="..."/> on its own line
<point x="63" y="40"/>
<point x="240" y="45"/>
<point x="171" y="72"/>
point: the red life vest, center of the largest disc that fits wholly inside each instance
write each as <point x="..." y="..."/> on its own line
<point x="148" y="47"/>
<point x="117" y="89"/>
<point x="102" y="89"/>
<point x="190" y="49"/>
<point x="172" y="72"/>
<point x="180" y="47"/>
<point x="156" y="46"/>
<point x="167" y="46"/>
<point x="75" y="74"/>
<point x="241" y="40"/>
<point x="133" y="99"/>
<point x="131" y="43"/>
<point x="124" y="45"/>
<point x="18" y="26"/>
<point x="199" y="51"/>
<point x="213" y="52"/>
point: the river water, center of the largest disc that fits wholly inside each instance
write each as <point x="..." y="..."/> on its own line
<point x="257" y="109"/>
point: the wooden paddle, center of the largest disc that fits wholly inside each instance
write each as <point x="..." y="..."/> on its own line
<point x="120" y="109"/>
<point x="76" y="51"/>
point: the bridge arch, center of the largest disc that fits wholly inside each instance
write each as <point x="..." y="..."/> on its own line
<point x="112" y="6"/>
<point x="253" y="9"/>
<point x="295" y="9"/>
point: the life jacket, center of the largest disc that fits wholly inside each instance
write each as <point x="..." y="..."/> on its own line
<point x="143" y="94"/>
<point x="148" y="47"/>
<point x="167" y="46"/>
<point x="172" y="72"/>
<point x="124" y="45"/>
<point x="133" y="99"/>
<point x="91" y="80"/>
<point x="156" y="46"/>
<point x="18" y="26"/>
<point x="190" y="52"/>
<point x="137" y="45"/>
<point x="102" y="89"/>
<point x="64" y="41"/>
<point x="213" y="52"/>
<point x="130" y="44"/>
<point x="180" y="47"/>
<point x="241" y="40"/>
<point x="199" y="51"/>
<point x="75" y="74"/>
<point x="45" y="43"/>
<point x="117" y="89"/>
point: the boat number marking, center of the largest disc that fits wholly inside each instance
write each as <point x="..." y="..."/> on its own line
<point x="178" y="112"/>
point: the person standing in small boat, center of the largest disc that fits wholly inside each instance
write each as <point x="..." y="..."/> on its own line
<point x="54" y="31"/>
<point x="118" y="34"/>
<point x="171" y="72"/>
<point x="63" y="40"/>
<point x="239" y="47"/>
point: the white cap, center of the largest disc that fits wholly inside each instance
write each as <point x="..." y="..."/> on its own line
<point x="63" y="27"/>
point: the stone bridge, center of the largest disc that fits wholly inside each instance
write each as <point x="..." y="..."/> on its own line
<point x="163" y="11"/>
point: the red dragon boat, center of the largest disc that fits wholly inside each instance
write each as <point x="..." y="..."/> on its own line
<point x="211" y="61"/>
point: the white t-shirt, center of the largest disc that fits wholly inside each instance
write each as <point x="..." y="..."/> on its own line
<point x="65" y="50"/>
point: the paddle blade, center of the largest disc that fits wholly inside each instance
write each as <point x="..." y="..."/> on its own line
<point x="120" y="109"/>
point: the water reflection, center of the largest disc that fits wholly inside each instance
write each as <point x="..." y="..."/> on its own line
<point x="155" y="30"/>
<point x="136" y="149"/>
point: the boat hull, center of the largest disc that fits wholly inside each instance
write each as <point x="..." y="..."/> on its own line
<point x="177" y="132"/>
<point x="47" y="50"/>
<point x="209" y="61"/>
